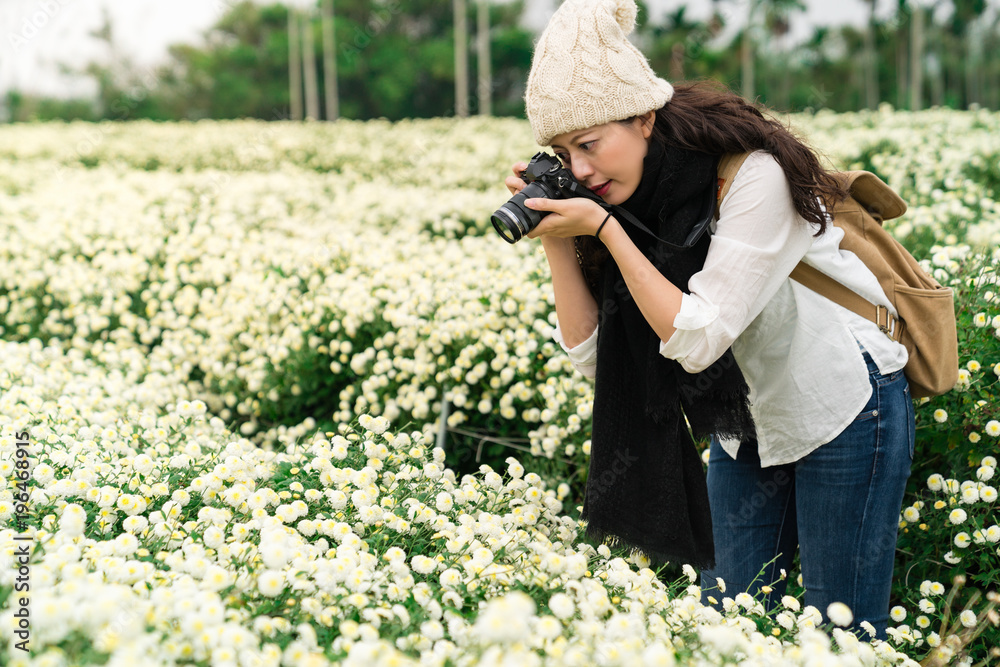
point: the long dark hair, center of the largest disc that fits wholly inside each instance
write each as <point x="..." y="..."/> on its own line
<point x="706" y="116"/>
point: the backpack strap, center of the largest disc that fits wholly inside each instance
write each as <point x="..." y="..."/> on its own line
<point x="872" y="196"/>
<point x="729" y="166"/>
<point x="887" y="205"/>
<point x="819" y="282"/>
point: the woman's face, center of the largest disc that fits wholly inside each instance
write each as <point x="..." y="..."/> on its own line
<point x="607" y="158"/>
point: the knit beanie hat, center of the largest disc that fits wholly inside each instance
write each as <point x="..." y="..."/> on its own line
<point x="585" y="72"/>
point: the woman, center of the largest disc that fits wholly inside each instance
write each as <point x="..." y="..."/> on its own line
<point x="809" y="412"/>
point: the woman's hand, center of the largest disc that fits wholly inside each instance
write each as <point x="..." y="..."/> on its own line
<point x="567" y="218"/>
<point x="575" y="216"/>
<point x="515" y="183"/>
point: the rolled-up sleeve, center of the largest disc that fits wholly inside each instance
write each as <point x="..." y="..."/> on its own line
<point x="758" y="240"/>
<point x="582" y="356"/>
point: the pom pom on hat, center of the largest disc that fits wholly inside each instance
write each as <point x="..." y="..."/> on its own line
<point x="585" y="72"/>
<point x="625" y="12"/>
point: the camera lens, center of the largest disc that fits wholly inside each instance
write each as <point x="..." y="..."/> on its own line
<point x="513" y="220"/>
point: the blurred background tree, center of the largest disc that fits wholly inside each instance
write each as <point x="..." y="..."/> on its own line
<point x="396" y="59"/>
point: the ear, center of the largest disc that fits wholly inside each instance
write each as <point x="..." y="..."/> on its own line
<point x="646" y="123"/>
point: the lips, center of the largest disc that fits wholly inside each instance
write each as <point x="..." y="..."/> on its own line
<point x="601" y="190"/>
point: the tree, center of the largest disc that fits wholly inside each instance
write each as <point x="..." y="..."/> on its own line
<point x="309" y="60"/>
<point x="871" y="59"/>
<point x="330" y="63"/>
<point x="294" y="65"/>
<point x="461" y="59"/>
<point x="916" y="58"/>
<point x="965" y="26"/>
<point x="671" y="42"/>
<point x="484" y="76"/>
<point x="393" y="59"/>
<point x="778" y="21"/>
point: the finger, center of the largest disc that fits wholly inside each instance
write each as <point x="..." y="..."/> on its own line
<point x="514" y="184"/>
<point x="536" y="232"/>
<point x="519" y="167"/>
<point x="543" y="204"/>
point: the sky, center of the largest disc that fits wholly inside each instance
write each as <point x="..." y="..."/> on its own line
<point x="40" y="39"/>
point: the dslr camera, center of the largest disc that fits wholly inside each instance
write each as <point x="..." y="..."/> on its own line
<point x="546" y="178"/>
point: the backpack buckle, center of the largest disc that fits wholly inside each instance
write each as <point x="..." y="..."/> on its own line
<point x="886" y="323"/>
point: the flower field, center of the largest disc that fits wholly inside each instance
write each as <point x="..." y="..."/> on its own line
<point x="225" y="351"/>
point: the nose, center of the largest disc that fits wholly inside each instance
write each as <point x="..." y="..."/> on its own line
<point x="582" y="169"/>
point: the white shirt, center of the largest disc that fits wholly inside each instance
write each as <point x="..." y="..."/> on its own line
<point x="798" y="350"/>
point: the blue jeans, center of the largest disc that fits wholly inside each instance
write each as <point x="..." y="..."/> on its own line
<point x="839" y="504"/>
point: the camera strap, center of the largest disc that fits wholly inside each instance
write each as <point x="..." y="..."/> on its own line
<point x="705" y="217"/>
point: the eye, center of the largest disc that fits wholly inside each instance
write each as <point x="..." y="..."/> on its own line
<point x="587" y="145"/>
<point x="563" y="157"/>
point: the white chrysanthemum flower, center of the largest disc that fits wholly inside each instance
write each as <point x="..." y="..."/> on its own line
<point x="548" y="627"/>
<point x="271" y="583"/>
<point x="423" y="564"/>
<point x="505" y="619"/>
<point x="968" y="618"/>
<point x="73" y="520"/>
<point x="482" y="557"/>
<point x="274" y="554"/>
<point x="432" y="630"/>
<point x="957" y="516"/>
<point x="444" y="502"/>
<point x="840" y="614"/>
<point x="562" y="605"/>
<point x="897" y="614"/>
<point x="137" y="524"/>
<point x="791" y="603"/>
<point x="988" y="461"/>
<point x="993" y="428"/>
<point x="935" y="482"/>
<point x="514" y="468"/>
<point x="451" y="578"/>
<point x="911" y="514"/>
<point x="126" y="544"/>
<point x="394" y="555"/>
<point x="940" y="416"/>
<point x="985" y="473"/>
<point x="970" y="495"/>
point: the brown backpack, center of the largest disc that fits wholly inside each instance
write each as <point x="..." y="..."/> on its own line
<point x="926" y="309"/>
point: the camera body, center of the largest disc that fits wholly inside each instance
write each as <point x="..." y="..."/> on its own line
<point x="546" y="178"/>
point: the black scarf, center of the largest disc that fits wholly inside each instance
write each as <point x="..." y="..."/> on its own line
<point x="646" y="485"/>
